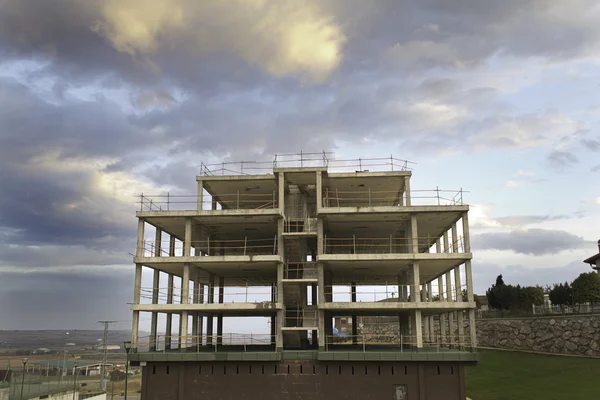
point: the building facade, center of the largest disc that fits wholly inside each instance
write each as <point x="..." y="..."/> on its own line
<point x="307" y="241"/>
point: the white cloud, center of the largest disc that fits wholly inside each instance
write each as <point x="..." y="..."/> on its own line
<point x="598" y="200"/>
<point x="283" y="37"/>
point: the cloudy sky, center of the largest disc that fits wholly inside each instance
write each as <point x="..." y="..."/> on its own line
<point x="101" y="100"/>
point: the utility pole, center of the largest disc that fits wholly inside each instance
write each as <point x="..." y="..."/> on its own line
<point x="105" y="354"/>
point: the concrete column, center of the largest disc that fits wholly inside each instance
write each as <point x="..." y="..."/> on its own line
<point x="414" y="234"/>
<point x="472" y="330"/>
<point x="354" y="319"/>
<point x="407" y="190"/>
<point x="201" y="317"/>
<point x="200" y="195"/>
<point x="438" y="246"/>
<point x="280" y="313"/>
<point x="446" y="244"/>
<point x="281" y="192"/>
<point x="321" y="300"/>
<point x="459" y="314"/>
<point x="169" y="327"/>
<point x="469" y="277"/>
<point x="424" y="292"/>
<point x="455" y="244"/>
<point x="319" y="190"/>
<point x="196" y="295"/>
<point x="417" y="331"/>
<point x="185" y="293"/>
<point x="432" y="336"/>
<point x="210" y="318"/>
<point x="140" y="239"/>
<point x="429" y="291"/>
<point x="154" y="319"/>
<point x="426" y="329"/>
<point x="466" y="237"/>
<point x="137" y="290"/>
<point x="187" y="242"/>
<point x="315" y="302"/>
<point x="220" y="317"/>
<point x="320" y="238"/>
<point x="442" y="316"/>
<point x="416" y="284"/>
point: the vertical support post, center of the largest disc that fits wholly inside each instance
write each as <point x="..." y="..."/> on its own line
<point x="321" y="300"/>
<point x="417" y="328"/>
<point x="442" y="315"/>
<point x="414" y="234"/>
<point x="185" y="294"/>
<point x="472" y="330"/>
<point x="187" y="241"/>
<point x="137" y="290"/>
<point x="195" y="298"/>
<point x="354" y="319"/>
<point x="154" y="319"/>
<point x="319" y="191"/>
<point x="407" y="194"/>
<point x="140" y="238"/>
<point x="220" y="317"/>
<point x="200" y="198"/>
<point x="201" y="318"/>
<point x="169" y="327"/>
<point x="416" y="283"/>
<point x="455" y="248"/>
<point x="210" y="318"/>
<point x="446" y="245"/>
<point x="451" y="330"/>
<point x="459" y="314"/>
<point x="469" y="277"/>
<point x="280" y="313"/>
<point x="438" y="246"/>
<point x="465" y="232"/>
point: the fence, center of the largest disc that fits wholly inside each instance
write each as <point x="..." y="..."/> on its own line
<point x="300" y="270"/>
<point x="391" y="198"/>
<point x="383" y="245"/>
<point x="209" y="343"/>
<point x="300" y="225"/>
<point x="398" y="342"/>
<point x="300" y="317"/>
<point x="585" y="308"/>
<point x="390" y="292"/>
<point x="225" y="201"/>
<point x="305" y="160"/>
<point x="214" y="247"/>
<point x="232" y="294"/>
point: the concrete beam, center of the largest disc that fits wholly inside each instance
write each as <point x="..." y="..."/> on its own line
<point x="227" y="308"/>
<point x="390" y="210"/>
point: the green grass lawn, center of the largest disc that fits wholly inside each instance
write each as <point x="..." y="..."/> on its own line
<point x="502" y="375"/>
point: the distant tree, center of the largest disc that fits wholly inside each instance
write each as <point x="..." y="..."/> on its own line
<point x="586" y="288"/>
<point x="529" y="296"/>
<point x="501" y="296"/>
<point x="562" y="295"/>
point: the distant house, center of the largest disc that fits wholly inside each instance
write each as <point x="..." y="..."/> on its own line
<point x="482" y="302"/>
<point x="594" y="260"/>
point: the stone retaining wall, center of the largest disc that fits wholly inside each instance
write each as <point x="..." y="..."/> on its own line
<point x="559" y="334"/>
<point x="577" y="335"/>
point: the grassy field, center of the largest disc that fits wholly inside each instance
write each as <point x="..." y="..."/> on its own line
<point x="504" y="375"/>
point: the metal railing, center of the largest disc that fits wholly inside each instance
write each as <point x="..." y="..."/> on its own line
<point x="300" y="270"/>
<point x="392" y="293"/>
<point x="205" y="342"/>
<point x="384" y="245"/>
<point x="214" y="247"/>
<point x="300" y="318"/>
<point x="390" y="198"/>
<point x="231" y="294"/>
<point x="300" y="225"/>
<point x="374" y="341"/>
<point x="225" y="201"/>
<point x="305" y="160"/>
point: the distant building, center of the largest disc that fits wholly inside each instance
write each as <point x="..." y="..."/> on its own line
<point x="594" y="260"/>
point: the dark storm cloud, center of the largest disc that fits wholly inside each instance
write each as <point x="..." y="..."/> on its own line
<point x="64" y="300"/>
<point x="531" y="241"/>
<point x="591" y="144"/>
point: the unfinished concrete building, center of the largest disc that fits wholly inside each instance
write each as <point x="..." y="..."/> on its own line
<point x="298" y="242"/>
